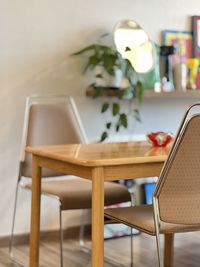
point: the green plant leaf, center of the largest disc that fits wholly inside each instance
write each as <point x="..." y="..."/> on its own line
<point x="105" y="107"/>
<point x="123" y="120"/>
<point x="117" y="127"/>
<point x="136" y="114"/>
<point x="109" y="62"/>
<point x="93" y="61"/>
<point x="131" y="76"/>
<point x="88" y="48"/>
<point x="127" y="49"/>
<point x="99" y="76"/>
<point x="127" y="93"/>
<point x="140" y="91"/>
<point x="108" y="125"/>
<point x="128" y="67"/>
<point x="104" y="136"/>
<point x="115" y="109"/>
<point x="97" y="91"/>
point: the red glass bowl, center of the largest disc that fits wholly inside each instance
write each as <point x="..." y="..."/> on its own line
<point x="159" y="139"/>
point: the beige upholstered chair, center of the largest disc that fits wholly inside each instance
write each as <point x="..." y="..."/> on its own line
<point x="55" y="120"/>
<point x="177" y="195"/>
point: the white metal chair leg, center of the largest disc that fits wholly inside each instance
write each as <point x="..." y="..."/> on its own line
<point x="84" y="216"/>
<point x="11" y="241"/>
<point x="61" y="237"/>
<point x="131" y="248"/>
<point x="82" y="229"/>
<point x="132" y="204"/>
<point x="11" y="254"/>
<point x="160" y="262"/>
<point x="157" y="231"/>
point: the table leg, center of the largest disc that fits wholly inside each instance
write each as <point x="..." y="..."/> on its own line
<point x="35" y="214"/>
<point x="98" y="217"/>
<point x="169" y="250"/>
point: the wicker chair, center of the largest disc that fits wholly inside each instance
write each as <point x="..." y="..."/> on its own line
<point x="55" y="120"/>
<point x="177" y="195"/>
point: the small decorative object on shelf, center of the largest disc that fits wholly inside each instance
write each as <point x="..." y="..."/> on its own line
<point x="159" y="139"/>
<point x="196" y="43"/>
<point x="193" y="65"/>
<point x="181" y="41"/>
<point x="167" y="79"/>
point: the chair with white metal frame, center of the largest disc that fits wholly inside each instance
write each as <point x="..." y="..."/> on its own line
<point x="176" y="200"/>
<point x="55" y="120"/>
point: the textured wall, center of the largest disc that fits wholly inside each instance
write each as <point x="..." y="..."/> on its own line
<point x="36" y="39"/>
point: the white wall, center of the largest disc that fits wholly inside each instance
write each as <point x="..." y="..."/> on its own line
<point x="36" y="39"/>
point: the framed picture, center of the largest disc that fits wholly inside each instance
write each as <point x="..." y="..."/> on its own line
<point x="196" y="35"/>
<point x="196" y="43"/>
<point x="181" y="40"/>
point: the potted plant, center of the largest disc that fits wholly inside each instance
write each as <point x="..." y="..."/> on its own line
<point x="105" y="61"/>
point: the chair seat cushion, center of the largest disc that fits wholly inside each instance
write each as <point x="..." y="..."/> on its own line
<point x="142" y="218"/>
<point x="76" y="193"/>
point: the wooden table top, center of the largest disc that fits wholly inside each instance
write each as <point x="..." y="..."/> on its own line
<point x="103" y="154"/>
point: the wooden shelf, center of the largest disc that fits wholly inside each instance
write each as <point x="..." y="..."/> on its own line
<point x="174" y="94"/>
<point x="150" y="93"/>
<point x="105" y="92"/>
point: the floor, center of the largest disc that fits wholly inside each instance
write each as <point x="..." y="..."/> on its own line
<point x="187" y="252"/>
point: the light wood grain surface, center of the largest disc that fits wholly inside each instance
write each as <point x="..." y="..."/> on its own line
<point x="103" y="154"/>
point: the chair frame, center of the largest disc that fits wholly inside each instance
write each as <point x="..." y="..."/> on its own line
<point x="166" y="166"/>
<point x="52" y="99"/>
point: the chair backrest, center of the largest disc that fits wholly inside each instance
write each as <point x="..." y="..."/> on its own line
<point x="177" y="195"/>
<point x="49" y="120"/>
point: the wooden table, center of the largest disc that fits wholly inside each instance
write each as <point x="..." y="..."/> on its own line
<point x="98" y="163"/>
